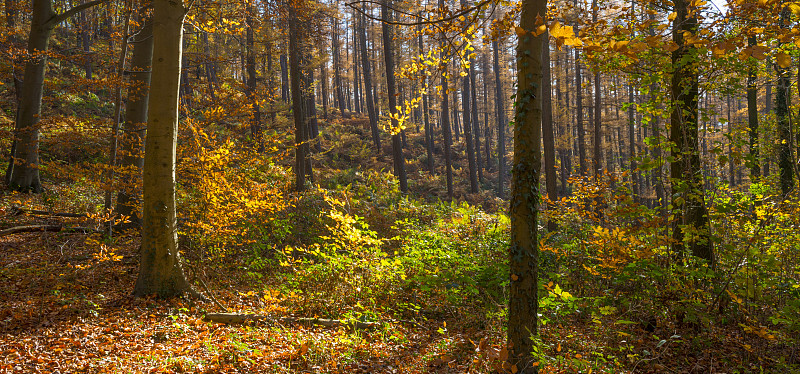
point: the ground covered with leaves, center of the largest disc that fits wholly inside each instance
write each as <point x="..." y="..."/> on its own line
<point x="431" y="275"/>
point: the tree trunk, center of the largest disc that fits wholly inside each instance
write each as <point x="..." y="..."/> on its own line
<point x="782" y="98"/>
<point x="501" y="120"/>
<point x="388" y="56"/>
<point x="297" y="103"/>
<point x="337" y="78"/>
<point x="523" y="249"/>
<point x="114" y="140"/>
<point x="448" y="140"/>
<point x="370" y="101"/>
<point x="685" y="169"/>
<point x="250" y="87"/>
<point x="160" y="270"/>
<point x="24" y="173"/>
<point x="135" y="125"/>
<point x="548" y="137"/>
<point x="425" y="109"/>
<point x="465" y="102"/>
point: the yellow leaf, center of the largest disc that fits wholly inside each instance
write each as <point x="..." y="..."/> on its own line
<point x="783" y="59"/>
<point x="519" y="30"/>
<point x="795" y="8"/>
<point x="672" y="16"/>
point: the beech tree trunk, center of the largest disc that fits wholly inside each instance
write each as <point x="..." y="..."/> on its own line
<point x="160" y="269"/>
<point x="523" y="251"/>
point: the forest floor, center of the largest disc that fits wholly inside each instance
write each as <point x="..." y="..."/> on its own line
<point x="66" y="306"/>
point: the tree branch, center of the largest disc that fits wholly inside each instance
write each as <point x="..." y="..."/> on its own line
<point x="58" y="18"/>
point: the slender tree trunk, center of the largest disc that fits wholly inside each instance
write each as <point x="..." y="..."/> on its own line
<point x="160" y="269"/>
<point x="632" y="141"/>
<point x="250" y="87"/>
<point x="548" y="136"/>
<point x="523" y="249"/>
<point x="297" y="103"/>
<point x="337" y="78"/>
<point x="388" y="56"/>
<point x="373" y="116"/>
<point x="135" y="125"/>
<point x="11" y="23"/>
<point x="445" y="121"/>
<point x="476" y="126"/>
<point x="114" y="139"/>
<point x="579" y="107"/>
<point x="426" y="110"/>
<point x="501" y="120"/>
<point x="782" y="98"/>
<point x="465" y="102"/>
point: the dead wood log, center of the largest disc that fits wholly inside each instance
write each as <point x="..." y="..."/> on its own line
<point x="44" y="228"/>
<point x="235" y="319"/>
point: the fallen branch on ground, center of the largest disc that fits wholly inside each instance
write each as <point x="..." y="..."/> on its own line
<point x="15" y="211"/>
<point x="44" y="228"/>
<point x="235" y="319"/>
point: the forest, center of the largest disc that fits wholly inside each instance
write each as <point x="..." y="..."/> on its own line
<point x="362" y="186"/>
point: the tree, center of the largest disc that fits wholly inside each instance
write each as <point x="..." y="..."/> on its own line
<point x="160" y="270"/>
<point x="388" y="57"/>
<point x="523" y="252"/>
<point x="782" y="97"/>
<point x="23" y="175"/>
<point x="691" y="223"/>
<point x="548" y="137"/>
<point x="135" y="124"/>
<point x="373" y="116"/>
<point x="500" y="114"/>
<point x="300" y="133"/>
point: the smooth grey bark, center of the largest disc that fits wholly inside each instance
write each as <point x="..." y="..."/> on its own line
<point x="160" y="269"/>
